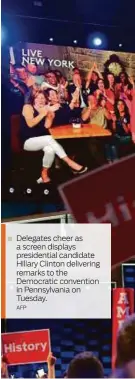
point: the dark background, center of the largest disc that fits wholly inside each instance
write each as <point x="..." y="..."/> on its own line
<point x="38" y="20"/>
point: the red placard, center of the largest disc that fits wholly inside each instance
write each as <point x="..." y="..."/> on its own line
<point x="107" y="195"/>
<point x="123" y="306"/>
<point x="26" y="347"/>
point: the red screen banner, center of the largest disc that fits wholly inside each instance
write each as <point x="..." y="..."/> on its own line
<point x="123" y="306"/>
<point x="107" y="195"/>
<point x="26" y="347"/>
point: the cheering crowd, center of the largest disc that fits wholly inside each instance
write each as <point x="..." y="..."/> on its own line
<point x="87" y="365"/>
<point x="51" y="100"/>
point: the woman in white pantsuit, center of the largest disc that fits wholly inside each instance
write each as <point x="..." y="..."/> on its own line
<point x="37" y="118"/>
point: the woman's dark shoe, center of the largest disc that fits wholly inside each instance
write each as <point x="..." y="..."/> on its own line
<point x="81" y="171"/>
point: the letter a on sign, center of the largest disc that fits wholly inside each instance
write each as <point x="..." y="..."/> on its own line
<point x="123" y="299"/>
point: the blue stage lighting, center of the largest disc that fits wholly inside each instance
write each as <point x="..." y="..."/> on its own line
<point x="3" y="34"/>
<point x="97" y="41"/>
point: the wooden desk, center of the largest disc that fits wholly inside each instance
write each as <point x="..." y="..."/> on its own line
<point x="86" y="131"/>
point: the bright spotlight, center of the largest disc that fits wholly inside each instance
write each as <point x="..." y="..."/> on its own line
<point x="120" y="44"/>
<point x="75" y="41"/>
<point x="97" y="41"/>
<point x="11" y="190"/>
<point x="51" y="39"/>
<point x="46" y="192"/>
<point x="28" y="190"/>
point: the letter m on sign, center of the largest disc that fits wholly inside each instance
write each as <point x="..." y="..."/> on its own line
<point x="123" y="312"/>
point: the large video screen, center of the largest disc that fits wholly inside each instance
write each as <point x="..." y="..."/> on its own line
<point x="71" y="112"/>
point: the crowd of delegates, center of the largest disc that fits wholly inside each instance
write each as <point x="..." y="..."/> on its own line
<point x="87" y="365"/>
<point x="51" y="100"/>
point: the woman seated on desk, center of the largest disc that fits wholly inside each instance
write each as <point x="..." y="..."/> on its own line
<point x="96" y="112"/>
<point x="37" y="117"/>
<point x="64" y="113"/>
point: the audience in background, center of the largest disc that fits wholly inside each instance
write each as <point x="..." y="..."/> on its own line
<point x="99" y="99"/>
<point x="126" y="342"/>
<point x="110" y="92"/>
<point x="65" y="111"/>
<point x="96" y="113"/>
<point x="128" y="371"/>
<point x="121" y="119"/>
<point x="78" y="84"/>
<point x="113" y="90"/>
<point x="4" y="367"/>
<point x="50" y="81"/>
<point x="92" y="79"/>
<point x="85" y="365"/>
<point x="107" y="93"/>
<point x="32" y="70"/>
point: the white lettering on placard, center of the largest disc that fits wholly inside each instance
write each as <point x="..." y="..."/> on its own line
<point x="123" y="312"/>
<point x="110" y="214"/>
<point x="30" y="56"/>
<point x="120" y="322"/>
<point x="13" y="347"/>
<point x="123" y="299"/>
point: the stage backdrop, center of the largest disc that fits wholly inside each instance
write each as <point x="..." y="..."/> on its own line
<point x="24" y="80"/>
<point x="65" y="58"/>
